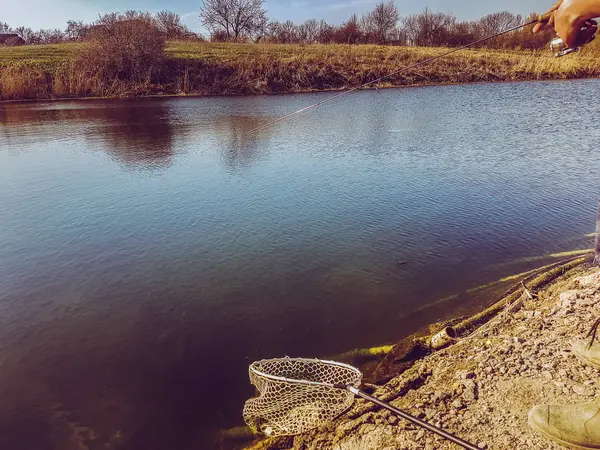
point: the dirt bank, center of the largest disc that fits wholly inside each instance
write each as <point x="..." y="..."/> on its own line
<point x="482" y="387"/>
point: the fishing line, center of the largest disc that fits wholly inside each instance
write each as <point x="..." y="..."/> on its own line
<point x="404" y="69"/>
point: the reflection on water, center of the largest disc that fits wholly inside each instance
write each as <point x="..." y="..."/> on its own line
<point x="140" y="134"/>
<point x="240" y="142"/>
<point x="137" y="137"/>
<point x="151" y="249"/>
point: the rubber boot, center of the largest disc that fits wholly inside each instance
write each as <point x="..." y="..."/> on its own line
<point x="588" y="354"/>
<point x="576" y="427"/>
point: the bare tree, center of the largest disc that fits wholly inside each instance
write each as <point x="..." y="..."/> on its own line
<point x="525" y="39"/>
<point x="236" y="18"/>
<point x="428" y="28"/>
<point x="27" y="34"/>
<point x="284" y="32"/>
<point x="349" y="32"/>
<point x="382" y="21"/>
<point x="462" y="33"/>
<point x="132" y="14"/>
<point x="55" y="36"/>
<point x="109" y="19"/>
<point x="498" y="22"/>
<point x="325" y="33"/>
<point x="398" y="37"/>
<point x="302" y="34"/>
<point x="311" y="30"/>
<point x="289" y="31"/>
<point x="169" y="24"/>
<point x="75" y="31"/>
<point x="5" y="28"/>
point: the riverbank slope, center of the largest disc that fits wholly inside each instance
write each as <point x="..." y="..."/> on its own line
<point x="200" y="68"/>
<point x="483" y="387"/>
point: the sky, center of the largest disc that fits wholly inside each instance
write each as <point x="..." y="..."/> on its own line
<point x="55" y="13"/>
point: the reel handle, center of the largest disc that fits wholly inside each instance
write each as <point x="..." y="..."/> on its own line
<point x="586" y="35"/>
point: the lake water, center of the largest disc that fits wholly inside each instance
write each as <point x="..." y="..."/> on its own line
<point x="151" y="249"/>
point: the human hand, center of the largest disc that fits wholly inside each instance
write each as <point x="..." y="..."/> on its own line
<point x="568" y="16"/>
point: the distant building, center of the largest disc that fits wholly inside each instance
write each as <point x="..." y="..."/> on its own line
<point x="11" y="40"/>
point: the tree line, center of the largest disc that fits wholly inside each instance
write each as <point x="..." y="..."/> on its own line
<point x="167" y="23"/>
<point x="247" y="20"/>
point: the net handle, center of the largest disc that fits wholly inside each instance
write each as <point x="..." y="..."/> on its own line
<point x="414" y="420"/>
<point x="356" y="392"/>
<point x="305" y="382"/>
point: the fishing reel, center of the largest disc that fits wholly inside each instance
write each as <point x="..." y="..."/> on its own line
<point x="585" y="36"/>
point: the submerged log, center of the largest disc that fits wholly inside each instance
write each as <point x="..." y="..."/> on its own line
<point x="362" y="355"/>
<point x="536" y="283"/>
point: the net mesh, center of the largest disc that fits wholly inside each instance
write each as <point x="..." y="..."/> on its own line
<point x="289" y="407"/>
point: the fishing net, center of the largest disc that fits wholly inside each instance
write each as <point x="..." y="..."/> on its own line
<point x="295" y="395"/>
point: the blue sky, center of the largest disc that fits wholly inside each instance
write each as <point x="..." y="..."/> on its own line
<point x="55" y="13"/>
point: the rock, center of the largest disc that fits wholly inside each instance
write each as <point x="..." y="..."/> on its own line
<point x="569" y="297"/>
<point x="547" y="375"/>
<point x="420" y="435"/>
<point x="590" y="281"/>
<point x="583" y="391"/>
<point x="470" y="391"/>
<point x="457" y="404"/>
<point x="438" y="396"/>
<point x="482" y="445"/>
<point x="430" y="413"/>
<point x="465" y="375"/>
<point x="587" y="302"/>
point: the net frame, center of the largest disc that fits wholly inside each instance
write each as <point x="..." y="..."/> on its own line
<point x="291" y="405"/>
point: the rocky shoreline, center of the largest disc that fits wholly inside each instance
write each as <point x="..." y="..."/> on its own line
<point x="482" y="387"/>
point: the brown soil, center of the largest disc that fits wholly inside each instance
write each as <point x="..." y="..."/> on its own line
<point x="482" y="388"/>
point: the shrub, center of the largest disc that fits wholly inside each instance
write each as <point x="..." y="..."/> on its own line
<point x="129" y="50"/>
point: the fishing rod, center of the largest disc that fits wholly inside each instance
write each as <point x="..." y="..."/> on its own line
<point x="586" y="36"/>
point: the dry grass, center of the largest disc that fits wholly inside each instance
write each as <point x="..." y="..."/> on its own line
<point x="205" y="68"/>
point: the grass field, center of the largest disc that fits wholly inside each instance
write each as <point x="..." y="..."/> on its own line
<point x="192" y="68"/>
